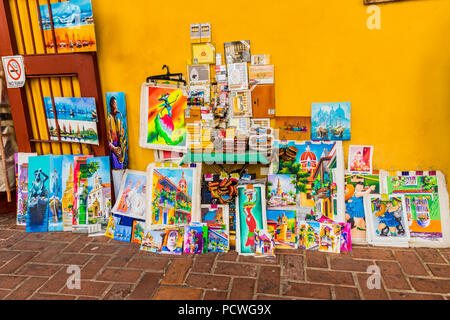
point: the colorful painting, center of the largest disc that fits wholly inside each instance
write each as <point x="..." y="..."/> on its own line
<point x="163" y="125"/>
<point x="218" y="238"/>
<point x="330" y="121"/>
<point x="138" y="231"/>
<point x="152" y="240"/>
<point x="67" y="201"/>
<point x="309" y="232"/>
<point x="281" y="192"/>
<point x="422" y="204"/>
<point x="250" y="216"/>
<point x="360" y="159"/>
<point x="22" y="186"/>
<point x="329" y="238"/>
<point x="343" y="230"/>
<point x="282" y="224"/>
<point x="111" y="228"/>
<point x="173" y="241"/>
<point x="174" y="195"/>
<point x="122" y="233"/>
<point x="215" y="214"/>
<point x="221" y="188"/>
<point x="356" y="187"/>
<point x="73" y="24"/>
<point x="79" y="219"/>
<point x="77" y="119"/>
<point x="264" y="244"/>
<point x="387" y="220"/>
<point x="118" y="129"/>
<point x="196" y="238"/>
<point x="38" y="194"/>
<point x="131" y="199"/>
<point x="55" y="217"/>
<point x="317" y="172"/>
<point x="293" y="128"/>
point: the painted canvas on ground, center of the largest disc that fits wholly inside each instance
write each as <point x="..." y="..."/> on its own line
<point x="79" y="218"/>
<point x="131" y="199"/>
<point x="122" y="233"/>
<point x="293" y="128"/>
<point x="215" y="214"/>
<point x="309" y="235"/>
<point x="162" y="124"/>
<point x="55" y="216"/>
<point x="360" y="159"/>
<point x="138" y="231"/>
<point x="173" y="198"/>
<point x="22" y="186"/>
<point x="67" y="182"/>
<point x="343" y="230"/>
<point x="387" y="220"/>
<point x="173" y="241"/>
<point x="218" y="238"/>
<point x="250" y="216"/>
<point x="264" y="244"/>
<point x="38" y="193"/>
<point x="329" y="238"/>
<point x="281" y="192"/>
<point x="318" y="168"/>
<point x="118" y="129"/>
<point x="330" y="121"/>
<point x="282" y="224"/>
<point x="422" y="204"/>
<point x="196" y="238"/>
<point x="356" y="187"/>
<point x="73" y="23"/>
<point x="77" y="119"/>
<point x="152" y="240"/>
<point x="111" y="228"/>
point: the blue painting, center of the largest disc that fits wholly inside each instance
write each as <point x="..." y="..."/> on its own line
<point x="330" y="121"/>
<point x="38" y="194"/>
<point x="55" y="217"/>
<point x="123" y="233"/>
<point x="74" y="13"/>
<point x="118" y="131"/>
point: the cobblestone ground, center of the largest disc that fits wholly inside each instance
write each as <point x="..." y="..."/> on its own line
<point x="34" y="266"/>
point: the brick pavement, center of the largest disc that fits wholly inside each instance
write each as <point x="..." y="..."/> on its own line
<point x="34" y="266"/>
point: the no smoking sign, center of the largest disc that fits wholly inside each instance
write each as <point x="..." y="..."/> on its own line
<point x="14" y="71"/>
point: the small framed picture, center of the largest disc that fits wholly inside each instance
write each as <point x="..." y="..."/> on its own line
<point x="241" y="103"/>
<point x="360" y="159"/>
<point x="237" y="76"/>
<point x="237" y="51"/>
<point x="203" y="53"/>
<point x="198" y="74"/>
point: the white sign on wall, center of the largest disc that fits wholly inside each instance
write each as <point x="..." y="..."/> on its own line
<point x="14" y="71"/>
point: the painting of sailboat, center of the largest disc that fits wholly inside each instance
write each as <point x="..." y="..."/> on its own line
<point x="330" y="121"/>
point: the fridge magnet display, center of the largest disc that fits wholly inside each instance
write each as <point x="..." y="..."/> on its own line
<point x="237" y="76"/>
<point x="250" y="216"/>
<point x="241" y="103"/>
<point x="330" y="121"/>
<point x="131" y="200"/>
<point x="162" y="125"/>
<point x="237" y="51"/>
<point x="360" y="159"/>
<point x="282" y="224"/>
<point x="198" y="74"/>
<point x="203" y="53"/>
<point x="261" y="74"/>
<point x="118" y="129"/>
<point x="22" y="186"/>
<point x="293" y="128"/>
<point x="77" y="119"/>
<point x="73" y="24"/>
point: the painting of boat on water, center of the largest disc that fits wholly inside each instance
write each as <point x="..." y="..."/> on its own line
<point x="330" y="121"/>
<point x="77" y="119"/>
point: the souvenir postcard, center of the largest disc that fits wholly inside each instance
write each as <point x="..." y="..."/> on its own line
<point x="250" y="216"/>
<point x="330" y="239"/>
<point x="196" y="238"/>
<point x="218" y="238"/>
<point x="237" y="51"/>
<point x="221" y="188"/>
<point x="22" y="186"/>
<point x="77" y="119"/>
<point x="426" y="205"/>
<point x="98" y="174"/>
<point x="203" y="53"/>
<point x="237" y="76"/>
<point x="387" y="220"/>
<point x="360" y="159"/>
<point x="138" y="231"/>
<point x="264" y="244"/>
<point x="241" y="103"/>
<point x="318" y="169"/>
<point x="111" y="228"/>
<point x="67" y="182"/>
<point x="356" y="187"/>
<point x="162" y="124"/>
<point x="198" y="74"/>
<point x="152" y="240"/>
<point x="309" y="235"/>
<point x="281" y="192"/>
<point x="282" y="224"/>
<point x="122" y="233"/>
<point x="261" y="74"/>
<point x="294" y="128"/>
<point x="131" y="199"/>
<point x="215" y="214"/>
<point x="330" y="121"/>
<point x="73" y="24"/>
<point x="118" y="129"/>
<point x="173" y="241"/>
<point x="55" y="217"/>
<point x="38" y="193"/>
<point x="173" y="196"/>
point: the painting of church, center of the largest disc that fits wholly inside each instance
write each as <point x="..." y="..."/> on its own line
<point x="284" y="195"/>
<point x="98" y="198"/>
<point x="282" y="224"/>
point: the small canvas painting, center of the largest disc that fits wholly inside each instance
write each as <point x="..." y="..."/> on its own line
<point x="218" y="238"/>
<point x="215" y="214"/>
<point x="22" y="186"/>
<point x="122" y="233"/>
<point x="264" y="244"/>
<point x="67" y="181"/>
<point x="330" y="121"/>
<point x="330" y="239"/>
<point x="111" y="228"/>
<point x="281" y="192"/>
<point x="131" y="199"/>
<point x="173" y="241"/>
<point x="360" y="159"/>
<point x="152" y="240"/>
<point x="55" y="218"/>
<point x="282" y="224"/>
<point x="138" y="231"/>
<point x="118" y="129"/>
<point x="195" y="238"/>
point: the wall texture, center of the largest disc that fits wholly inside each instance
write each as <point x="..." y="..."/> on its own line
<point x="397" y="78"/>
